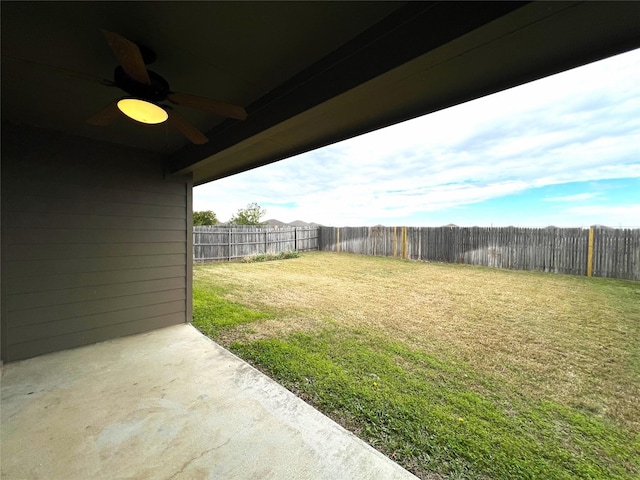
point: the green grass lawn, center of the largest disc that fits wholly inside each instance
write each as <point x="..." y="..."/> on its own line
<point x="453" y="371"/>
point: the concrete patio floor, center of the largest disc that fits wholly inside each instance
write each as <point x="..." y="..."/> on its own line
<point x="168" y="404"/>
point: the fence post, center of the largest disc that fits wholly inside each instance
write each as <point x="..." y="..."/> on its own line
<point x="590" y="253"/>
<point x="395" y="242"/>
<point x="404" y="243"/>
<point x="295" y="239"/>
<point x="337" y="239"/>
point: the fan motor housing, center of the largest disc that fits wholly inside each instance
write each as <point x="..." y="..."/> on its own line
<point x="156" y="92"/>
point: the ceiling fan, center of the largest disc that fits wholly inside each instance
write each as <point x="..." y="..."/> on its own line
<point x="147" y="89"/>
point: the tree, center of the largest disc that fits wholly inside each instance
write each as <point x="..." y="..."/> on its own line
<point x="250" y="215"/>
<point x="206" y="217"/>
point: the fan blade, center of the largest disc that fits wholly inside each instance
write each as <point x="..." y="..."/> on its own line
<point x="129" y="56"/>
<point x="188" y="130"/>
<point x="200" y="103"/>
<point x="106" y="116"/>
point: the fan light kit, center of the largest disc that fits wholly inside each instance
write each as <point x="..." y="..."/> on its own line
<point x="147" y="90"/>
<point x="142" y="111"/>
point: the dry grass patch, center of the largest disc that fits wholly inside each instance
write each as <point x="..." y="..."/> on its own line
<point x="451" y="370"/>
<point x="550" y="336"/>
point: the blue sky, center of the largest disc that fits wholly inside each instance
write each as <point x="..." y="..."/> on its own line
<point x="563" y="151"/>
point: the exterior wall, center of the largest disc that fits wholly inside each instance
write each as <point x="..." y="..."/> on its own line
<point x="94" y="242"/>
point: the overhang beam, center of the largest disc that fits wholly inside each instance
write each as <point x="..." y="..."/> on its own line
<point x="409" y="32"/>
<point x="395" y="71"/>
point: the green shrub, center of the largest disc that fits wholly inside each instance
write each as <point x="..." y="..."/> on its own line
<point x="266" y="257"/>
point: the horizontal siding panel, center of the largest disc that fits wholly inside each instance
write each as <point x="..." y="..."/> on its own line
<point x="52" y="344"/>
<point x="34" y="236"/>
<point x="20" y="301"/>
<point x="27" y="333"/>
<point x="52" y="204"/>
<point x="87" y="265"/>
<point x="127" y="170"/>
<point x="56" y="282"/>
<point x="117" y="195"/>
<point x="93" y="250"/>
<point x="102" y="222"/>
<point x="95" y="242"/>
<point x="32" y="316"/>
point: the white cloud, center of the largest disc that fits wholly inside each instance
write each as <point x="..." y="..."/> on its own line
<point x="612" y="216"/>
<point x="583" y="125"/>
<point x="578" y="197"/>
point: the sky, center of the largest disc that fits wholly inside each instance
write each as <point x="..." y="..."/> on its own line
<point x="563" y="151"/>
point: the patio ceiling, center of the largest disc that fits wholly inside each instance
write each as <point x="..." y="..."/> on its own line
<point x="309" y="73"/>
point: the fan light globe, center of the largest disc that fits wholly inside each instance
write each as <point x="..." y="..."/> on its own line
<point x="142" y="111"/>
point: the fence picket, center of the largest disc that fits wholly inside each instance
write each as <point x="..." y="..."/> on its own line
<point x="213" y="243"/>
<point x="559" y="250"/>
<point x="616" y="252"/>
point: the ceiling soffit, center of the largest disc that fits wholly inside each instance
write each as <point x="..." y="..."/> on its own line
<point x="519" y="45"/>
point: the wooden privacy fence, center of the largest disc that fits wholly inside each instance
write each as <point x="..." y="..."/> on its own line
<point x="600" y="252"/>
<point x="212" y="243"/>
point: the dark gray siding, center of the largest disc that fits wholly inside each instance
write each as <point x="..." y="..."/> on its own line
<point x="94" y="242"/>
